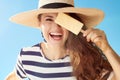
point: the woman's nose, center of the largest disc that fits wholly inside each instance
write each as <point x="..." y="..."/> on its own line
<point x="57" y="26"/>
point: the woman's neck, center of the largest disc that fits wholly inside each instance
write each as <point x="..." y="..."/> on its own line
<point x="54" y="52"/>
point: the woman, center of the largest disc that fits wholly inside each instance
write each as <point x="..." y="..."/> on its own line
<point x="64" y="55"/>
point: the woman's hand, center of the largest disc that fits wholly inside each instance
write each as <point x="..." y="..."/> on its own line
<point x="98" y="37"/>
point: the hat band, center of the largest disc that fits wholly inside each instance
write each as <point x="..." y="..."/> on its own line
<point x="56" y="5"/>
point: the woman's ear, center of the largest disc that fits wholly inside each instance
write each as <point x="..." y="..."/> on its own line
<point x="39" y="20"/>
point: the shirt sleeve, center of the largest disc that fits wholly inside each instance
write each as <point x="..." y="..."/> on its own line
<point x="19" y="69"/>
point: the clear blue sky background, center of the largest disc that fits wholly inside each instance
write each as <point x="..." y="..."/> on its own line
<point x="13" y="36"/>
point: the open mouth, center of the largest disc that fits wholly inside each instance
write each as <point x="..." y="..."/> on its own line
<point x="56" y="36"/>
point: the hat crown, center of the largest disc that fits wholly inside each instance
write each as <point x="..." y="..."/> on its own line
<point x="45" y="2"/>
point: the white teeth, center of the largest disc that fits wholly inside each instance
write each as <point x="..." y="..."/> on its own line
<point x="55" y="33"/>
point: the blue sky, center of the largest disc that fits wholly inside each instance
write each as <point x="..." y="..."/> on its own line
<point x="13" y="36"/>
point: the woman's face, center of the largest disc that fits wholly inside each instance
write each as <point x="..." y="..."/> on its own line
<point x="53" y="33"/>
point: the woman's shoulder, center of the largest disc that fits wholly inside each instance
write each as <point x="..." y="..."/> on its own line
<point x="35" y="47"/>
<point x="31" y="50"/>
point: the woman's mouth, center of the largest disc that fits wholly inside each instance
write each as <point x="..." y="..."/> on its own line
<point x="56" y="36"/>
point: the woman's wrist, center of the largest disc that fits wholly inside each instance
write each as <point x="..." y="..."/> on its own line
<point x="107" y="49"/>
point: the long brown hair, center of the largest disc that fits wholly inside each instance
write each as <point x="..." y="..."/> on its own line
<point x="87" y="59"/>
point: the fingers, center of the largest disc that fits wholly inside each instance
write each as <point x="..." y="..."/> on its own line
<point x="82" y="31"/>
<point x="96" y="36"/>
<point x="86" y="32"/>
<point x="93" y="35"/>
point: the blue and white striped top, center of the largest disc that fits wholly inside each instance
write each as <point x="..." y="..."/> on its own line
<point x="34" y="65"/>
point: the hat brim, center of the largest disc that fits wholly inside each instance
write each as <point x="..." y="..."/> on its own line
<point x="90" y="16"/>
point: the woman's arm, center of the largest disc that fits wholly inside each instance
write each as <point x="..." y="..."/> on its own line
<point x="114" y="60"/>
<point x="99" y="38"/>
<point x="12" y="76"/>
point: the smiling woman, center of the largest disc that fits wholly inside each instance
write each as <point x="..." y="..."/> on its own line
<point x="52" y="32"/>
<point x="64" y="55"/>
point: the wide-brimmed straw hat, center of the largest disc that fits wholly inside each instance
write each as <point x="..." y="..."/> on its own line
<point x="90" y="16"/>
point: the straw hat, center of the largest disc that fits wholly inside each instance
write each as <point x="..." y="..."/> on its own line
<point x="90" y="16"/>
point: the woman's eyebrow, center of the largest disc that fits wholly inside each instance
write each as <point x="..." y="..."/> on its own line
<point x="49" y="16"/>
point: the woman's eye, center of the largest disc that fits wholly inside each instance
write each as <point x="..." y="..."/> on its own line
<point x="49" y="20"/>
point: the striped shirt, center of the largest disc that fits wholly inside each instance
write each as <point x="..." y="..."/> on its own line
<point x="32" y="64"/>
